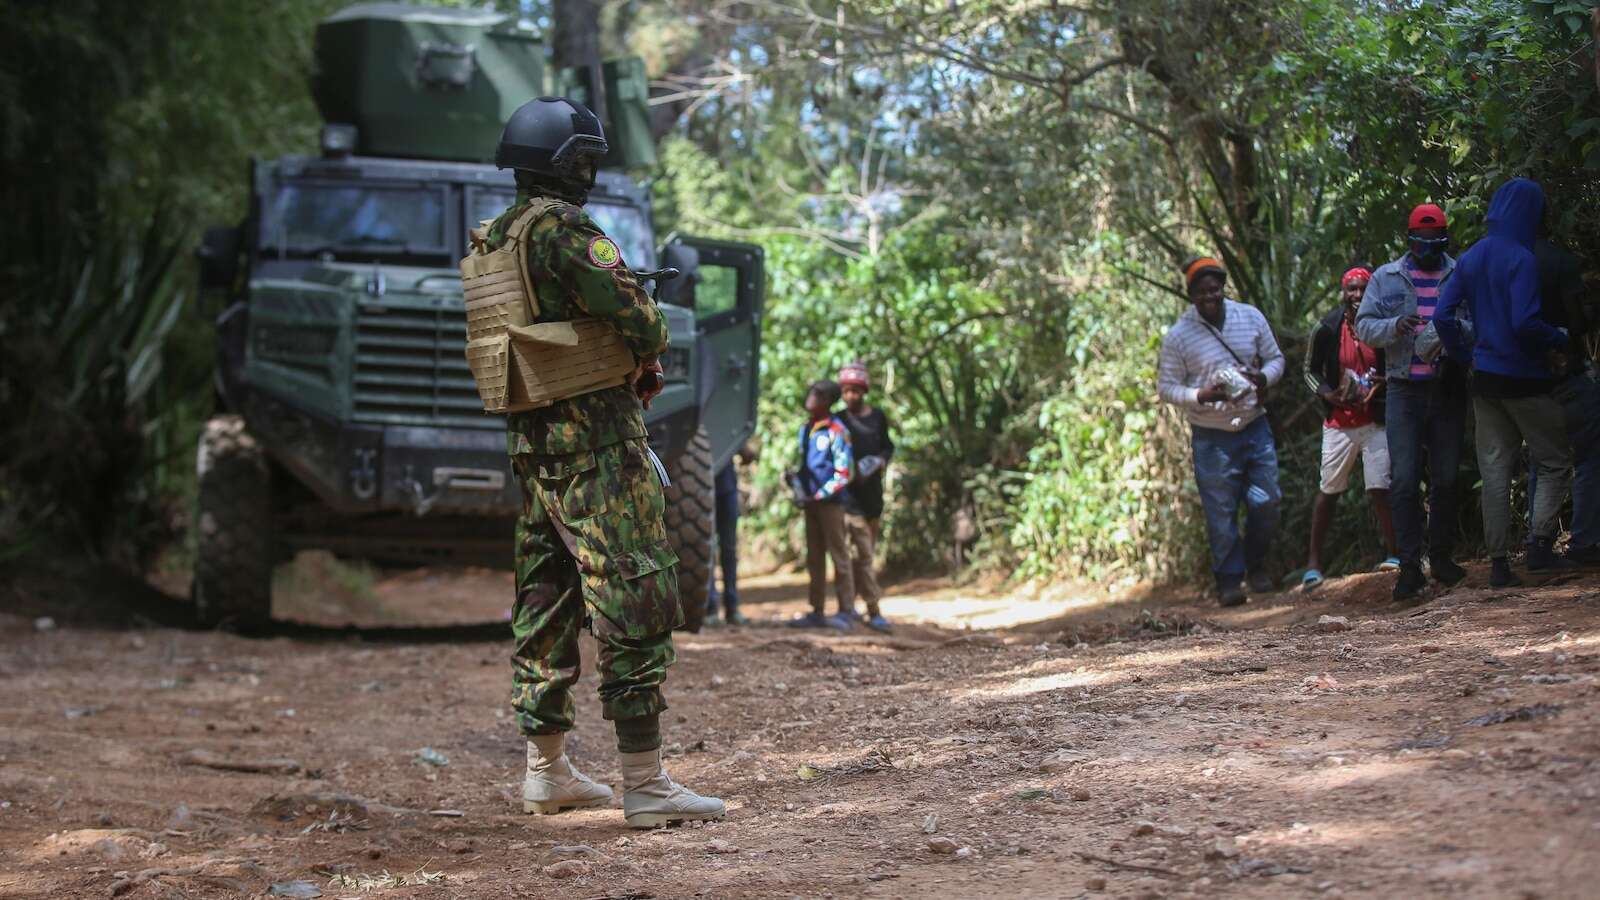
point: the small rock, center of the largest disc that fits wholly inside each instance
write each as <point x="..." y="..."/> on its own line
<point x="1060" y="761"/>
<point x="1079" y="794"/>
<point x="136" y="641"/>
<point x="718" y="845"/>
<point x="1095" y="884"/>
<point x="930" y="823"/>
<point x="79" y="712"/>
<point x="299" y="888"/>
<point x="1330" y="624"/>
<point x="964" y="853"/>
<point x="373" y="853"/>
<point x="44" y="623"/>
<point x="942" y="845"/>
<point x="103" y="820"/>
<point x="569" y="851"/>
<point x="571" y="868"/>
<point x="1332" y="762"/>
<point x="1143" y="828"/>
<point x="779" y="686"/>
<point x="108" y="848"/>
<point x="432" y="757"/>
<point x="1224" y="848"/>
<point x="460" y="847"/>
<point x="718" y="681"/>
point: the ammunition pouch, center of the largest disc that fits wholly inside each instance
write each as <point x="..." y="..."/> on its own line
<point x="518" y="363"/>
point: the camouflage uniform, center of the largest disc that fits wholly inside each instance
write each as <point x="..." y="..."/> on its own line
<point x="591" y="546"/>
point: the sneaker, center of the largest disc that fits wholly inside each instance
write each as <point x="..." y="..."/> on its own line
<point x="1262" y="583"/>
<point x="1542" y="558"/>
<point x="1310" y="581"/>
<point x="841" y="621"/>
<point x="879" y="624"/>
<point x="809" y="620"/>
<point x="1446" y="572"/>
<point x="734" y="617"/>
<point x="1233" y="595"/>
<point x="1392" y="564"/>
<point x="1500" y="574"/>
<point x="1410" y="583"/>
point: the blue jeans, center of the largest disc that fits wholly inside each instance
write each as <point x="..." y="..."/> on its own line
<point x="1426" y="421"/>
<point x="1580" y="404"/>
<point x="727" y="508"/>
<point x="1230" y="468"/>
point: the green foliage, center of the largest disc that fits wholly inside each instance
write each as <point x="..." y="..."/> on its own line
<point x="987" y="202"/>
<point x="127" y="133"/>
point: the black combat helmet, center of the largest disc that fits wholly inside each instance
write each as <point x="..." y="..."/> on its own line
<point x="555" y="140"/>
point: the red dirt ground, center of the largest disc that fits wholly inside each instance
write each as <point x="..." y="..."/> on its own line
<point x="1134" y="748"/>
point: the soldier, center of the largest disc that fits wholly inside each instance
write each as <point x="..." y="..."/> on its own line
<point x="591" y="547"/>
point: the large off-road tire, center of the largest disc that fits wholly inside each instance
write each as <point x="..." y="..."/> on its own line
<point x="691" y="525"/>
<point x="232" y="526"/>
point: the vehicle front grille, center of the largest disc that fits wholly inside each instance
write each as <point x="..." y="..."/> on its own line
<point x="411" y="368"/>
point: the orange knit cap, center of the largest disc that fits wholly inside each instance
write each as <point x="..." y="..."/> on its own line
<point x="1202" y="265"/>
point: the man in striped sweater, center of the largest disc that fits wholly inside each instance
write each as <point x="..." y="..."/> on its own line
<point x="1426" y="410"/>
<point x="1215" y="363"/>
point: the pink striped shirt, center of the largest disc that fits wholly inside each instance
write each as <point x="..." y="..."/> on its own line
<point x="1427" y="285"/>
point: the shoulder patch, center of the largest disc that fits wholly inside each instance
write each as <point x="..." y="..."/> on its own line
<point x="604" y="253"/>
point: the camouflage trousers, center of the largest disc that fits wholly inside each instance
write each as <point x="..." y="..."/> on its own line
<point x="591" y="550"/>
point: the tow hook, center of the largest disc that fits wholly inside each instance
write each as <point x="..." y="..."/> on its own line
<point x="364" y="476"/>
<point x="413" y="492"/>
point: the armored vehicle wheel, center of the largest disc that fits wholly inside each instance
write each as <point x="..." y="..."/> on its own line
<point x="691" y="525"/>
<point x="232" y="526"/>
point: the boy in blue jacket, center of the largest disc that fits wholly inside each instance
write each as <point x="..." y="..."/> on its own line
<point x="1516" y="360"/>
<point x="826" y="463"/>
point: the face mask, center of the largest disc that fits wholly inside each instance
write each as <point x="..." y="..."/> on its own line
<point x="1429" y="252"/>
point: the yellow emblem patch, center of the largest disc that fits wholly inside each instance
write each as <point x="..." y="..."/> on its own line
<point x="604" y="253"/>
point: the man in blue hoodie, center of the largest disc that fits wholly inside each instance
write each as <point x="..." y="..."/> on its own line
<point x="1516" y="360"/>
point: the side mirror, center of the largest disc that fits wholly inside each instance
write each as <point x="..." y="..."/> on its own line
<point x="218" y="255"/>
<point x="680" y="291"/>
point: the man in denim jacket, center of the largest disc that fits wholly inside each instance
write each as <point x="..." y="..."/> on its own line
<point x="1425" y="416"/>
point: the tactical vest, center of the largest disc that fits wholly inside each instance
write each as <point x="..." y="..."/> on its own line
<point x="519" y="365"/>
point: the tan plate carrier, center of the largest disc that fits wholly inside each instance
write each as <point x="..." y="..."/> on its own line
<point x="517" y="364"/>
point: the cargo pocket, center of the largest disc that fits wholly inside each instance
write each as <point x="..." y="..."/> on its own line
<point x="639" y="599"/>
<point x="577" y="480"/>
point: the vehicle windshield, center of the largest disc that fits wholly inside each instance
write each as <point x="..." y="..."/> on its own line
<point x="624" y="224"/>
<point x="322" y="218"/>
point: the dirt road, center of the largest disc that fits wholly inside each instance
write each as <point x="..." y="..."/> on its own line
<point x="1139" y="748"/>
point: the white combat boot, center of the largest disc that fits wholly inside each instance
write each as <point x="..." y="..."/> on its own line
<point x="651" y="799"/>
<point x="552" y="784"/>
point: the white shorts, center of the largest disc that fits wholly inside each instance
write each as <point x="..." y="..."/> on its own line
<point x="1341" y="446"/>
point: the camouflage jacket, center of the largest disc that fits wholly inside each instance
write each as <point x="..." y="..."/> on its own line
<point x="577" y="271"/>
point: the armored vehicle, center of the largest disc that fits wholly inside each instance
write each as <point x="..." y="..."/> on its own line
<point x="346" y="417"/>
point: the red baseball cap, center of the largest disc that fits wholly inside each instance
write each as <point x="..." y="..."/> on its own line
<point x="854" y="374"/>
<point x="1427" y="216"/>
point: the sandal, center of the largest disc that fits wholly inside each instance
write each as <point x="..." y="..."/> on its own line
<point x="1311" y="580"/>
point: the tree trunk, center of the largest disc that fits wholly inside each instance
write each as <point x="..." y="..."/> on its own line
<point x="575" y="43"/>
